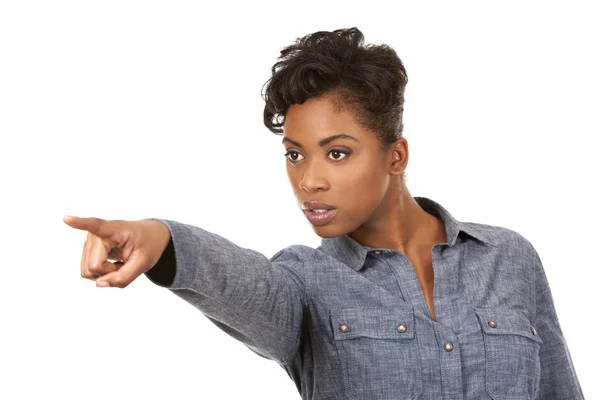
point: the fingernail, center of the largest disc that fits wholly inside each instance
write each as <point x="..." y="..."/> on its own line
<point x="102" y="283"/>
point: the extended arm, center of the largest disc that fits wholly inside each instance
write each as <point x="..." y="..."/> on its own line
<point x="256" y="300"/>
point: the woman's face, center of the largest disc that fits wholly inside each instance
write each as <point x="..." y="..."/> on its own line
<point x="350" y="174"/>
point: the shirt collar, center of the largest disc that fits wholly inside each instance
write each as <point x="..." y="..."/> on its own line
<point x="353" y="254"/>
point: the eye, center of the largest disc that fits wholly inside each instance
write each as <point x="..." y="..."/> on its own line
<point x="290" y="153"/>
<point x="335" y="152"/>
<point x="345" y="153"/>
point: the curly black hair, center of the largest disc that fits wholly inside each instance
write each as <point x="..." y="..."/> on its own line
<point x="367" y="79"/>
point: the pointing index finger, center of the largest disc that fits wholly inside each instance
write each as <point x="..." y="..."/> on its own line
<point x="96" y="226"/>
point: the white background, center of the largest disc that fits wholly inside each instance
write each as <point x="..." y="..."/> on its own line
<point x="136" y="109"/>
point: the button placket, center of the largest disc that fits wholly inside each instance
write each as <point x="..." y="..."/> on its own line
<point x="450" y="362"/>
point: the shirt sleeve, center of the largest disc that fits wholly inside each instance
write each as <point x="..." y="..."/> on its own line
<point x="256" y="300"/>
<point x="558" y="378"/>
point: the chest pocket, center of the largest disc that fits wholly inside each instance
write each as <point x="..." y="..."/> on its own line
<point x="512" y="362"/>
<point x="378" y="352"/>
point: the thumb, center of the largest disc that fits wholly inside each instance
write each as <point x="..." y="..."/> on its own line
<point x="97" y="226"/>
<point x="134" y="266"/>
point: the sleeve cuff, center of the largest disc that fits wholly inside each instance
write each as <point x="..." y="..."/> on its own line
<point x="163" y="273"/>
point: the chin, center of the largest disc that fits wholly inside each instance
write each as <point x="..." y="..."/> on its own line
<point x="328" y="230"/>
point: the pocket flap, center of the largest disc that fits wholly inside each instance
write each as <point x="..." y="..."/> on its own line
<point x="506" y="322"/>
<point x="373" y="322"/>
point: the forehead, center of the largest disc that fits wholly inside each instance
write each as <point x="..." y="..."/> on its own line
<point x="319" y="118"/>
<point x="316" y="112"/>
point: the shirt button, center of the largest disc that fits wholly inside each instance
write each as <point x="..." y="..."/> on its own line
<point x="533" y="331"/>
<point x="492" y="324"/>
<point x="401" y="328"/>
<point x="448" y="346"/>
<point x="344" y="328"/>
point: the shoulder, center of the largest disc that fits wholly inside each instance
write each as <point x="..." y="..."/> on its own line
<point x="297" y="252"/>
<point x="504" y="239"/>
<point x="291" y="260"/>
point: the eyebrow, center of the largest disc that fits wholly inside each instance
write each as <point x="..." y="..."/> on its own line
<point x="322" y="142"/>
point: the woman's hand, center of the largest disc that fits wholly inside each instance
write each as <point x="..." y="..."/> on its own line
<point x="136" y="246"/>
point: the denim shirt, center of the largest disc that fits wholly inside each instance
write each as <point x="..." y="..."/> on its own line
<point x="348" y="321"/>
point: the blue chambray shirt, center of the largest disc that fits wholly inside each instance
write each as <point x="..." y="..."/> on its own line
<point x="348" y="321"/>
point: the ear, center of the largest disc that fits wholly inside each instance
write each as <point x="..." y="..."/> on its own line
<point x="399" y="156"/>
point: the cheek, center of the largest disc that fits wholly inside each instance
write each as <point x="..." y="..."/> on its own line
<point x="363" y="189"/>
<point x="364" y="180"/>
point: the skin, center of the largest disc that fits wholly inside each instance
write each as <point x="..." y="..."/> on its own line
<point x="140" y="245"/>
<point x="374" y="206"/>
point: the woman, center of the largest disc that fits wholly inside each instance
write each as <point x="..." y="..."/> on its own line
<point x="401" y="300"/>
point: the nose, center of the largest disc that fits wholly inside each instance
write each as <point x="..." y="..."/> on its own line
<point x="313" y="179"/>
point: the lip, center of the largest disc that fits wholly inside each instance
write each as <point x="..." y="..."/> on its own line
<point x="316" y="205"/>
<point x="317" y="218"/>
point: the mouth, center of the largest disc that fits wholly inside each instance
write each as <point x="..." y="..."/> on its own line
<point x="317" y="206"/>
<point x="320" y="217"/>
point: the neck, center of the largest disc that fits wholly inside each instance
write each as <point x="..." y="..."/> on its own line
<point x="400" y="223"/>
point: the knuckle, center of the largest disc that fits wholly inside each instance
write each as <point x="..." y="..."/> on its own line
<point x="94" y="268"/>
<point x="119" y="282"/>
<point x="87" y="275"/>
<point x="126" y="281"/>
